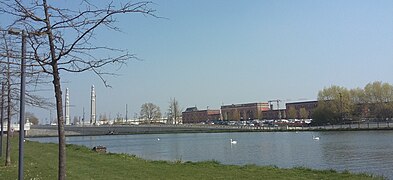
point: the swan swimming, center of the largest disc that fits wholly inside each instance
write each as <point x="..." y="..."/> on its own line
<point x="158" y="139"/>
<point x="233" y="142"/>
<point x="315" y="137"/>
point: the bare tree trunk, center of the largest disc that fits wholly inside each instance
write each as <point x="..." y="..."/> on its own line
<point x="8" y="149"/>
<point x="58" y="96"/>
<point x="59" y="105"/>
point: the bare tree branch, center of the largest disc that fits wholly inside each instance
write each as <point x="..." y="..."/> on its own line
<point x="59" y="39"/>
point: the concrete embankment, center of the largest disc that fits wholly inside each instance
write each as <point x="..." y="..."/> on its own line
<point x="128" y="129"/>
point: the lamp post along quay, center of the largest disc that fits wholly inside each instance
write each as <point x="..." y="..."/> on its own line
<point x="2" y="118"/>
<point x="21" y="99"/>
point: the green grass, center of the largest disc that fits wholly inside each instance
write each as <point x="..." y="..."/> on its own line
<point x="82" y="163"/>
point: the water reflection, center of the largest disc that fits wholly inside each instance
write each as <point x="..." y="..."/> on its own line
<point x="358" y="151"/>
<point x="368" y="151"/>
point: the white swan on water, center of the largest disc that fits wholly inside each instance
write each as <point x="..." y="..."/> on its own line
<point x="233" y="142"/>
<point x="315" y="137"/>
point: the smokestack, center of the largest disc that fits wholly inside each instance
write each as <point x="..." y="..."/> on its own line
<point x="67" y="107"/>
<point x="93" y="106"/>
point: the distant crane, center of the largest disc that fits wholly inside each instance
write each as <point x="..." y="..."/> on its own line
<point x="278" y="106"/>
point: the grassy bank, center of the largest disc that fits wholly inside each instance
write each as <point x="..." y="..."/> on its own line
<point x="82" y="163"/>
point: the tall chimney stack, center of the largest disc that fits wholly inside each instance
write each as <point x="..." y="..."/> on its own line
<point x="93" y="106"/>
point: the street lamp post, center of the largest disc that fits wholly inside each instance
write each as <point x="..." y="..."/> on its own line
<point x="2" y="118"/>
<point x="21" y="99"/>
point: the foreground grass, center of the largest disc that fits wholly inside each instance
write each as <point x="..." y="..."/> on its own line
<point x="82" y="163"/>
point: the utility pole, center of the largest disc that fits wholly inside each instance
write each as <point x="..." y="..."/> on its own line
<point x="2" y="118"/>
<point x="83" y="120"/>
<point x="50" y="117"/>
<point x="23" y="33"/>
<point x="126" y="113"/>
<point x="278" y="108"/>
<point x="22" y="106"/>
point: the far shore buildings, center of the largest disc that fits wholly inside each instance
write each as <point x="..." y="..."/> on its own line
<point x="247" y="111"/>
<point x="193" y="115"/>
<point x="309" y="106"/>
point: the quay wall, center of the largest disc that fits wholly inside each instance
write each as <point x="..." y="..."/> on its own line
<point x="126" y="129"/>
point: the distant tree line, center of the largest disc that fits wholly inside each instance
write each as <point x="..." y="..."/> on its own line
<point x="151" y="113"/>
<point x="338" y="105"/>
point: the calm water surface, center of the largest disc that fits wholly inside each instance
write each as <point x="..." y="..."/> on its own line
<point x="362" y="151"/>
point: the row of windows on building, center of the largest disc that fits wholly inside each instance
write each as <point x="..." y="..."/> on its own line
<point x="249" y="111"/>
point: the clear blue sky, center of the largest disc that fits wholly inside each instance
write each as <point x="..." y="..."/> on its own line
<point x="206" y="53"/>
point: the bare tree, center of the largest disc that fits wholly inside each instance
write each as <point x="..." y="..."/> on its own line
<point x="304" y="113"/>
<point x="61" y="42"/>
<point x="174" y="111"/>
<point x="235" y="115"/>
<point x="103" y="119"/>
<point x="9" y="56"/>
<point x="8" y="81"/>
<point x="292" y="113"/>
<point x="150" y="112"/>
<point x="32" y="118"/>
<point x="379" y="96"/>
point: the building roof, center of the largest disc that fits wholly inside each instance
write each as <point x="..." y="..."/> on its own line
<point x="190" y="109"/>
<point x="302" y="102"/>
<point x="244" y="105"/>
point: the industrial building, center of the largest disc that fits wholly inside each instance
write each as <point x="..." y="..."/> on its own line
<point x="273" y="114"/>
<point x="249" y="111"/>
<point x="193" y="115"/>
<point x="309" y="106"/>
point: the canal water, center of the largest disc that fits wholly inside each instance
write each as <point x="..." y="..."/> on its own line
<point x="355" y="151"/>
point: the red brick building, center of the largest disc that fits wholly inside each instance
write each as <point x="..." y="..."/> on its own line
<point x="309" y="106"/>
<point x="193" y="115"/>
<point x="274" y="114"/>
<point x="249" y="111"/>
